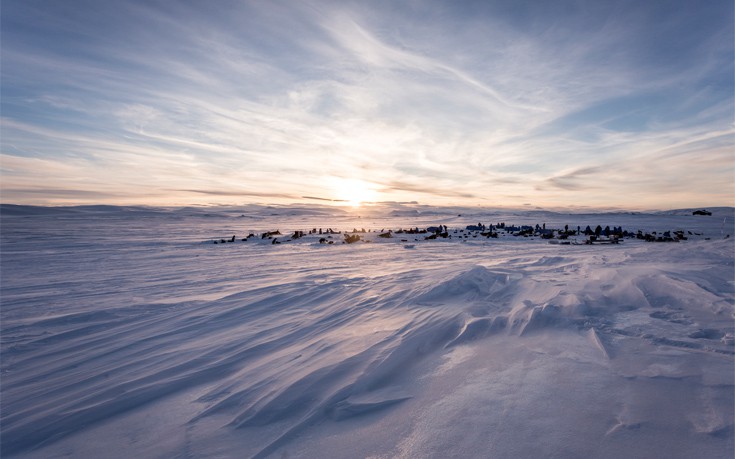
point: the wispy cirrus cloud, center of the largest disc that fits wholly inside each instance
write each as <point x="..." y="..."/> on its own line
<point x="531" y="103"/>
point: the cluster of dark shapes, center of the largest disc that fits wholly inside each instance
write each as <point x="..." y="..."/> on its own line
<point x="270" y="235"/>
<point x="326" y="231"/>
<point x="597" y="235"/>
<point x="666" y="236"/>
<point x="350" y="238"/>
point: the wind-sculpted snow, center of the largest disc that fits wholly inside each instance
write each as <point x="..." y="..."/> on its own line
<point x="120" y="347"/>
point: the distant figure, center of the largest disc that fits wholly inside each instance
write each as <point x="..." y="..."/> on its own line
<point x="233" y="238"/>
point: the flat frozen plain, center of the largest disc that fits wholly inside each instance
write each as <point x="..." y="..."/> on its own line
<point x="125" y="332"/>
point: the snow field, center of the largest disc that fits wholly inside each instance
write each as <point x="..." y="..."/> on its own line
<point x="134" y="335"/>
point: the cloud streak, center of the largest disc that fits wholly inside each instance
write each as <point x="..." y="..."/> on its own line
<point x="551" y="106"/>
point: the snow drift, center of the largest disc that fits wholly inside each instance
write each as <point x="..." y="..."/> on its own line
<point x="119" y="342"/>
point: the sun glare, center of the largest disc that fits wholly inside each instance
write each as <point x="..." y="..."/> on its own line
<point x="354" y="192"/>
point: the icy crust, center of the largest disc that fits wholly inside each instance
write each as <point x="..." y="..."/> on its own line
<point x="353" y="353"/>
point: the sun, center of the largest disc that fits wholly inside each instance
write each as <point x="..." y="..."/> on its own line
<point x="354" y="192"/>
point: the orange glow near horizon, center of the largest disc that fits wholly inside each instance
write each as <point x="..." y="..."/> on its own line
<point x="353" y="192"/>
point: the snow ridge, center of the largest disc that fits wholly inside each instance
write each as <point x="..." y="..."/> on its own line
<point x="273" y="346"/>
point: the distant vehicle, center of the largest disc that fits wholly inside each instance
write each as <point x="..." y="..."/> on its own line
<point x="702" y="212"/>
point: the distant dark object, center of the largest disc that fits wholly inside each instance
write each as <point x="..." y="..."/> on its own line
<point x="350" y="238"/>
<point x="269" y="234"/>
<point x="702" y="212"/>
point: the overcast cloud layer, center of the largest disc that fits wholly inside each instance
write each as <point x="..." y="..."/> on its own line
<point x="601" y="104"/>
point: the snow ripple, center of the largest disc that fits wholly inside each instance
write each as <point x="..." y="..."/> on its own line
<point x="295" y="353"/>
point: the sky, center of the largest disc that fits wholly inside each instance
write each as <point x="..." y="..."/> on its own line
<point x="602" y="104"/>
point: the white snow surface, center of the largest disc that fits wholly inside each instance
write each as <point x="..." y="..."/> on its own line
<point x="126" y="332"/>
